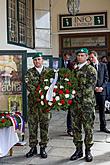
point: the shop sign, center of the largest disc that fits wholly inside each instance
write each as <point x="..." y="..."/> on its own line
<point x="80" y="21"/>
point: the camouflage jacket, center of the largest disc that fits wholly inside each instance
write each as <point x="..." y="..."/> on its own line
<point x="87" y="77"/>
<point x="33" y="79"/>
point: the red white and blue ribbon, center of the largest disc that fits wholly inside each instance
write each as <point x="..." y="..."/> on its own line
<point x="17" y="126"/>
<point x="21" y="122"/>
<point x="14" y="122"/>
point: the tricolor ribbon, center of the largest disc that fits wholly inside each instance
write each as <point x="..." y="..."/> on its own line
<point x="22" y="123"/>
<point x="49" y="94"/>
<point x="14" y="122"/>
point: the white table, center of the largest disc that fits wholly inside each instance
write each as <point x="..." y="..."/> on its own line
<point x="8" y="138"/>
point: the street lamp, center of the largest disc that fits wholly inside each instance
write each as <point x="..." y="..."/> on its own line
<point x="73" y="6"/>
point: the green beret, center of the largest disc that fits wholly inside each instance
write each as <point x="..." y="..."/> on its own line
<point x="38" y="54"/>
<point x="82" y="50"/>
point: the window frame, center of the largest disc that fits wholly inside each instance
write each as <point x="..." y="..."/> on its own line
<point x="43" y="29"/>
<point x="32" y="35"/>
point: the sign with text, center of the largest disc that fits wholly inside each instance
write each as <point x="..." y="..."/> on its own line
<point x="10" y="78"/>
<point x="81" y="21"/>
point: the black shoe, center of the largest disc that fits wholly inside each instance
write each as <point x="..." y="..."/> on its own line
<point x="43" y="153"/>
<point x="88" y="156"/>
<point x="78" y="154"/>
<point x="70" y="133"/>
<point x="104" y="130"/>
<point x="32" y="152"/>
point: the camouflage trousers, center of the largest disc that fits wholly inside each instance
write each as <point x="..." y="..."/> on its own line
<point x="37" y="118"/>
<point x="86" y="120"/>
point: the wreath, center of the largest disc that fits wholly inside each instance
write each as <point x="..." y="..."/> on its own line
<point x="5" y="122"/>
<point x="64" y="92"/>
<point x="12" y="119"/>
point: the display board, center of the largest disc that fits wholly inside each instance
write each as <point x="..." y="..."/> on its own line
<point x="12" y="88"/>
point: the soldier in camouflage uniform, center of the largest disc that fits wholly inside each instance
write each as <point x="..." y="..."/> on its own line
<point x="85" y="115"/>
<point x="33" y="78"/>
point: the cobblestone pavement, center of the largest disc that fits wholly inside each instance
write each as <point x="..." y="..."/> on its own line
<point x="61" y="146"/>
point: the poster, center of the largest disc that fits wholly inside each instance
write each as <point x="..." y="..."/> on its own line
<point x="10" y="79"/>
<point x="15" y="103"/>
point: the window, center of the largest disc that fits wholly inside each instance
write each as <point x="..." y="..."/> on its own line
<point x="97" y="41"/>
<point x="42" y="38"/>
<point x="93" y="41"/>
<point x="20" y="22"/>
<point x="42" y="25"/>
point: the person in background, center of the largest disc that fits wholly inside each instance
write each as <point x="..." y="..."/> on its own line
<point x="86" y="76"/>
<point x="104" y="59"/>
<point x="66" y="63"/>
<point x="100" y="89"/>
<point x="66" y="60"/>
<point x="89" y="61"/>
<point x="33" y="78"/>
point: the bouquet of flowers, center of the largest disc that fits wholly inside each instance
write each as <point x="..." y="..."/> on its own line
<point x="63" y="92"/>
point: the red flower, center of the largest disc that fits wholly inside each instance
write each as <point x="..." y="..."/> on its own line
<point x="69" y="83"/>
<point x="67" y="91"/>
<point x="70" y="102"/>
<point x="54" y="100"/>
<point x="3" y="120"/>
<point x="2" y="114"/>
<point x="41" y="93"/>
<point x="55" y="90"/>
<point x="47" y="110"/>
<point x="60" y="92"/>
<point x="62" y="101"/>
<point x="45" y="101"/>
<point x="38" y="88"/>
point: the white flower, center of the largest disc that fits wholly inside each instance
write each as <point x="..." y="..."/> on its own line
<point x="75" y="66"/>
<point x="61" y="86"/>
<point x="73" y="92"/>
<point x="42" y="97"/>
<point x="66" y="79"/>
<point x="50" y="103"/>
<point x="66" y="95"/>
<point x="73" y="96"/>
<point x="42" y="103"/>
<point x="46" y="80"/>
<point x="55" y="86"/>
<point x="40" y="90"/>
<point x="26" y="80"/>
<point x="51" y="80"/>
<point x="59" y="104"/>
<point x="46" y="87"/>
<point x="54" y="94"/>
<point x="57" y="98"/>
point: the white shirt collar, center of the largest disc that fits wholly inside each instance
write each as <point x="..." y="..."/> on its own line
<point x="96" y="64"/>
<point x="81" y="65"/>
<point x="39" y="69"/>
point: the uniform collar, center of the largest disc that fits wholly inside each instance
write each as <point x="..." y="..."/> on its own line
<point x="81" y="65"/>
